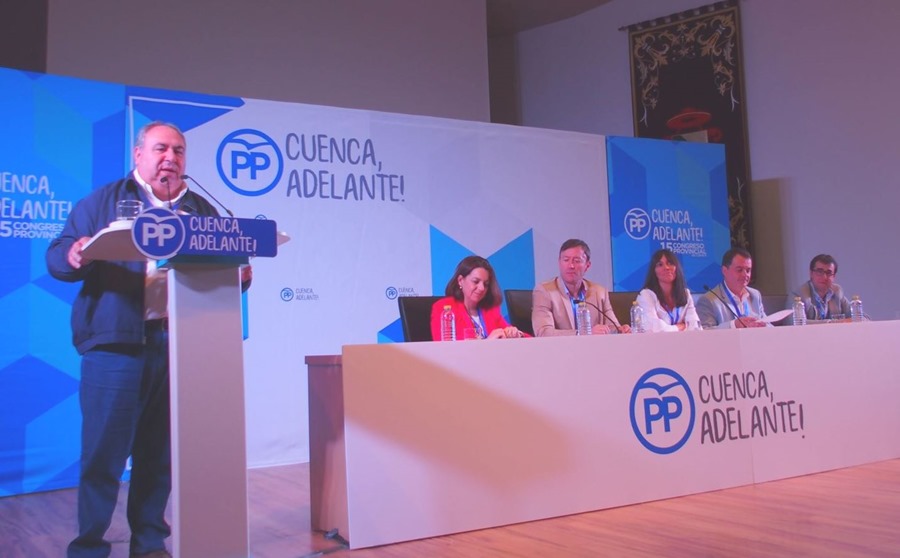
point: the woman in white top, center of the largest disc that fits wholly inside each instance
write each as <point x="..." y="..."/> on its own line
<point x="667" y="303"/>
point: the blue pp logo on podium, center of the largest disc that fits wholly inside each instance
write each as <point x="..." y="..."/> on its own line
<point x="158" y="233"/>
<point x="662" y="410"/>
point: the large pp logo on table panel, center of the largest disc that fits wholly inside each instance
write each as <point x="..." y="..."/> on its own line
<point x="158" y="233"/>
<point x="662" y="410"/>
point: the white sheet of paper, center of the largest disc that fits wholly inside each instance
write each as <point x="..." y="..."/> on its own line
<point x="781" y="314"/>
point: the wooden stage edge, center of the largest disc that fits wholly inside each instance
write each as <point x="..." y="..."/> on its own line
<point x="846" y="512"/>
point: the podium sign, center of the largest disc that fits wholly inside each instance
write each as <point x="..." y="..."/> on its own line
<point x="160" y="233"/>
<point x="206" y="364"/>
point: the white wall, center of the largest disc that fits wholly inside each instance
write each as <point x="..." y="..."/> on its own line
<point x="403" y="56"/>
<point x="821" y="86"/>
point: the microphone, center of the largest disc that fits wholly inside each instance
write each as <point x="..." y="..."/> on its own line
<point x="722" y="300"/>
<point x="205" y="191"/>
<point x="165" y="180"/>
<point x="605" y="315"/>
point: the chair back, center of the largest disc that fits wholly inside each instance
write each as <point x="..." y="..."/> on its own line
<point x="518" y="304"/>
<point x="415" y="316"/>
<point x="621" y="305"/>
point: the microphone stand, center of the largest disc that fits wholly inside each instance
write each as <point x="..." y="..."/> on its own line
<point x="722" y="300"/>
<point x="205" y="191"/>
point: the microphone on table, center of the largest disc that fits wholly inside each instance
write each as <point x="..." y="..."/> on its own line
<point x="205" y="191"/>
<point x="605" y="315"/>
<point x="722" y="300"/>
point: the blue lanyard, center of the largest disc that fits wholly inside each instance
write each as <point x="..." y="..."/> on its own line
<point x="731" y="298"/>
<point x="673" y="320"/>
<point x="480" y="329"/>
<point x="821" y="305"/>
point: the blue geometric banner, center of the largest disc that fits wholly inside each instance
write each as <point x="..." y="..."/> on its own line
<point x="666" y="194"/>
<point x="66" y="137"/>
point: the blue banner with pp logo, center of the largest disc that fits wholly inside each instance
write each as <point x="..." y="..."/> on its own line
<point x="666" y="194"/>
<point x="159" y="233"/>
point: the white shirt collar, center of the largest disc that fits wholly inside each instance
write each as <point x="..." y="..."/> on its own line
<point x="736" y="297"/>
<point x="154" y="201"/>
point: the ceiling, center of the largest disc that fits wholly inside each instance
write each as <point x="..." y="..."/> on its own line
<point x="506" y="17"/>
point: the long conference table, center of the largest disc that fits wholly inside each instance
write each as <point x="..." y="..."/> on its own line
<point x="414" y="440"/>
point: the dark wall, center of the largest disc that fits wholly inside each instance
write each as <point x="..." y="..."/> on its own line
<point x="23" y="34"/>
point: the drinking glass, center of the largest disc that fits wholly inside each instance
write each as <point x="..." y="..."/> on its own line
<point x="128" y="210"/>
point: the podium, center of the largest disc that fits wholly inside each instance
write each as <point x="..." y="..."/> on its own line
<point x="206" y="376"/>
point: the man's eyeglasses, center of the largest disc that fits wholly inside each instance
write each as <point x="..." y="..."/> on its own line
<point x="823" y="272"/>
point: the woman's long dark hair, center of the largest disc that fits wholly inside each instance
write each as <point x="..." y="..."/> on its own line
<point x="679" y="296"/>
<point x="464" y="268"/>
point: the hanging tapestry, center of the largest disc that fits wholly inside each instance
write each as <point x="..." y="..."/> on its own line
<point x="687" y="84"/>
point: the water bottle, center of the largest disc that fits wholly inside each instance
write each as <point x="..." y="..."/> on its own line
<point x="799" y="311"/>
<point x="583" y="319"/>
<point x="856" y="310"/>
<point x="448" y="324"/>
<point x="637" y="318"/>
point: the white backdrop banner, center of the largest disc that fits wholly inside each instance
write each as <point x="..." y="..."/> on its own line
<point x="379" y="206"/>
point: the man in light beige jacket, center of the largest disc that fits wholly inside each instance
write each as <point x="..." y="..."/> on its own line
<point x="555" y="301"/>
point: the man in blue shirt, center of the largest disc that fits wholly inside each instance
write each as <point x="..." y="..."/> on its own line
<point x="733" y="303"/>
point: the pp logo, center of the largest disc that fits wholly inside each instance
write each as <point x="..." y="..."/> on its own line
<point x="287" y="294"/>
<point x="662" y="410"/>
<point x="637" y="223"/>
<point x="249" y="162"/>
<point x="391" y="293"/>
<point x="158" y="233"/>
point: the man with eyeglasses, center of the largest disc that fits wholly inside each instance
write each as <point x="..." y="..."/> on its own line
<point x="824" y="299"/>
<point x="554" y="301"/>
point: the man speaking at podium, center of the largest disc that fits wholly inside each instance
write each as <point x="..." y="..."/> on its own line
<point x="120" y="328"/>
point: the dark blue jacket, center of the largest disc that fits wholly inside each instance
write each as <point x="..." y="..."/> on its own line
<point x="109" y="307"/>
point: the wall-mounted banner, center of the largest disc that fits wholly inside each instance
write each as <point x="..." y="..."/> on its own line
<point x="666" y="194"/>
<point x="687" y="82"/>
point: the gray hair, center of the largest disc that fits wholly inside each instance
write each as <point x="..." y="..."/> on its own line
<point x="142" y="133"/>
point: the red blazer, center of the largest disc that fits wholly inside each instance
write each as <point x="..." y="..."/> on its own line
<point x="493" y="319"/>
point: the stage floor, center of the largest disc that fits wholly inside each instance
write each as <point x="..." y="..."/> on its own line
<point x="847" y="512"/>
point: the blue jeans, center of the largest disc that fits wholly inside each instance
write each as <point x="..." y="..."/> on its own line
<point x="125" y="411"/>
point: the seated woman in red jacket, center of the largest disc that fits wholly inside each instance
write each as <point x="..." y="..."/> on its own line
<point x="474" y="296"/>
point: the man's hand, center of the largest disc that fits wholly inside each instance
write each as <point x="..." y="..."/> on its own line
<point x="76" y="260"/>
